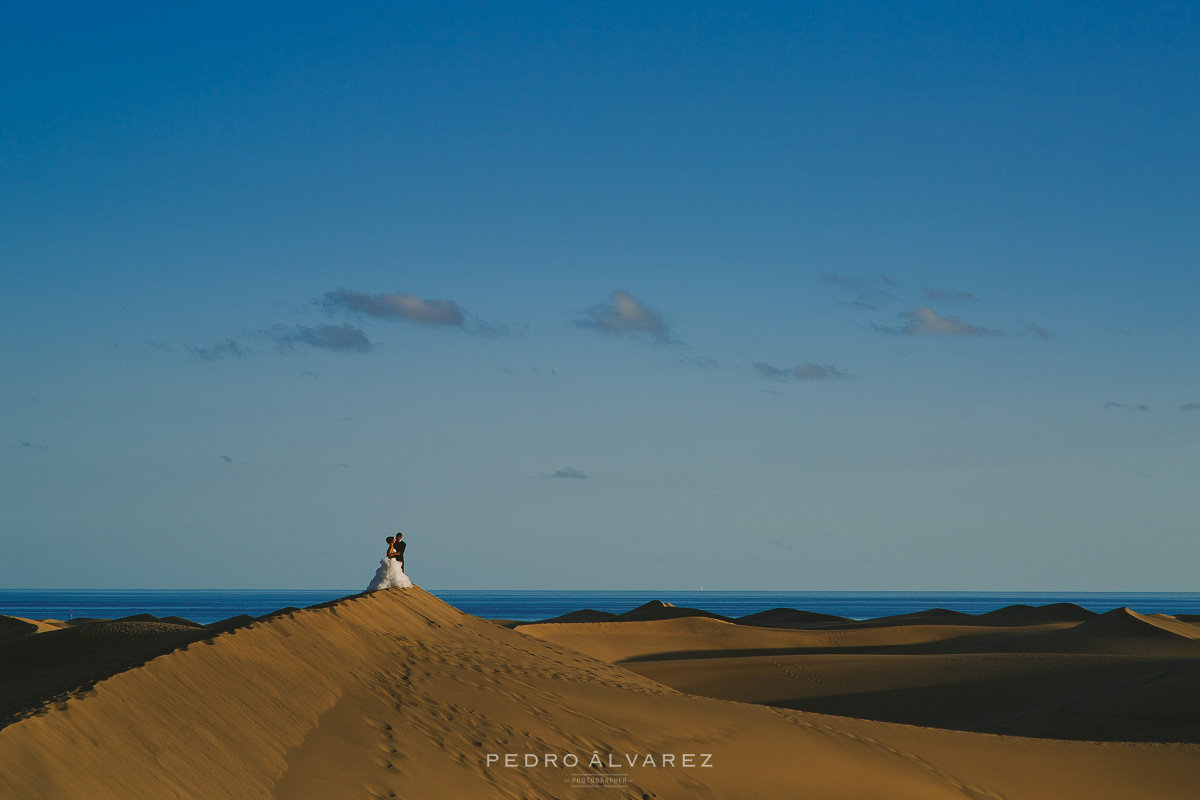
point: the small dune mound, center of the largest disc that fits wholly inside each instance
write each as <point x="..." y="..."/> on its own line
<point x="582" y="615"/>
<point x="13" y="627"/>
<point x="1127" y="621"/>
<point x="232" y="622"/>
<point x="658" y="610"/>
<point x="288" y="611"/>
<point x="786" y="617"/>
<point x="1123" y="631"/>
<point x="128" y="628"/>
<point x="172" y="620"/>
<point x="1037" y="615"/>
<point x="930" y="616"/>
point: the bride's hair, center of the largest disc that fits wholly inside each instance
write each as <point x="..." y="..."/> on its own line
<point x="391" y="538"/>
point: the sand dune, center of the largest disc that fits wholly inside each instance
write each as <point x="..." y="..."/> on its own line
<point x="582" y="615"/>
<point x="787" y="617"/>
<point x="396" y="694"/>
<point x="1044" y="695"/>
<point x="1120" y="676"/>
<point x="13" y="627"/>
<point x="653" y="610"/>
<point x="702" y="637"/>
<point x="40" y="660"/>
<point x="1037" y="615"/>
<point x="656" y="610"/>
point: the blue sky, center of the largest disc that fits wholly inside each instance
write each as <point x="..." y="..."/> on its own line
<point x="742" y="296"/>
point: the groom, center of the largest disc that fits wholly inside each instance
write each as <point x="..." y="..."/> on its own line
<point x="396" y="549"/>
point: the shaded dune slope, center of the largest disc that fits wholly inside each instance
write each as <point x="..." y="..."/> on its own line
<point x="396" y="694"/>
<point x="699" y="637"/>
<point x="46" y="660"/>
<point x="1122" y="630"/>
<point x="786" y="617"/>
<point x="1056" y="671"/>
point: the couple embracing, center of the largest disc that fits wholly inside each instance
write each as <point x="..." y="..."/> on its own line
<point x="390" y="574"/>
<point x="396" y="547"/>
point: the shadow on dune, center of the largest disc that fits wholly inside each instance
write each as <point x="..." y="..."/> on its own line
<point x="1130" y="700"/>
<point x="46" y="663"/>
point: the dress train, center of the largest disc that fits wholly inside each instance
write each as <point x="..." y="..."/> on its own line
<point x="389" y="576"/>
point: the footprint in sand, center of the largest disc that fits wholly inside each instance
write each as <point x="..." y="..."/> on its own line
<point x="375" y="790"/>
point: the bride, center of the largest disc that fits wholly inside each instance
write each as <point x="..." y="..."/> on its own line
<point x="390" y="574"/>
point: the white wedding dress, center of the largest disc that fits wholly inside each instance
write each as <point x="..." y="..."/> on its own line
<point x="389" y="576"/>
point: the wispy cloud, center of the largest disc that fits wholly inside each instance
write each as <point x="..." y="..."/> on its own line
<point x="924" y="321"/>
<point x="401" y="305"/>
<point x="340" y="338"/>
<point x="808" y="371"/>
<point x="25" y="444"/>
<point x="699" y="362"/>
<point x="624" y="315"/>
<point x="229" y="348"/>
<point x="947" y="296"/>
<point x="477" y="326"/>
<point x="1039" y="331"/>
<point x="857" y="282"/>
<point x="870" y="291"/>
<point x="229" y="460"/>
<point x="568" y="472"/>
<point x="1127" y="406"/>
<point x="1191" y="406"/>
<point x="407" y="306"/>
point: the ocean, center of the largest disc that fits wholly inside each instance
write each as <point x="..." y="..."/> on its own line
<point x="206" y="606"/>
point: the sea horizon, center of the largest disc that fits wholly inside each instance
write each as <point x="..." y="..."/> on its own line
<point x="211" y="605"/>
